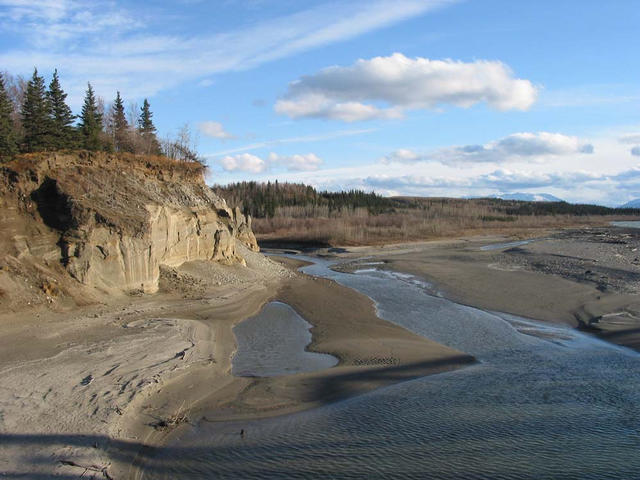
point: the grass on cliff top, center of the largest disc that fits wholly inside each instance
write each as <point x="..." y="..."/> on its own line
<point x="128" y="161"/>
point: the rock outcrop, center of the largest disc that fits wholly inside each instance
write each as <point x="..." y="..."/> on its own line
<point x="110" y="221"/>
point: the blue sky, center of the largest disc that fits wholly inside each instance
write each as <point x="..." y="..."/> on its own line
<point x="416" y="97"/>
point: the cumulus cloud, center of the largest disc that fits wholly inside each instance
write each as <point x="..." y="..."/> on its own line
<point x="630" y="139"/>
<point x="400" y="83"/>
<point x="245" y="162"/>
<point x="497" y="181"/>
<point x="542" y="143"/>
<point x="533" y="146"/>
<point x="214" y="130"/>
<point x="635" y="151"/>
<point x="297" y="163"/>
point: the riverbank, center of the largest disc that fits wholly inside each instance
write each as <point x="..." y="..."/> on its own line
<point x="94" y="390"/>
<point x="586" y="278"/>
<point x="84" y="388"/>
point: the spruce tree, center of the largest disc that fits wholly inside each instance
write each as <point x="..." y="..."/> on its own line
<point x="8" y="136"/>
<point x="90" y="121"/>
<point x="35" y="116"/>
<point x="120" y="126"/>
<point x="62" y="131"/>
<point x="147" y="130"/>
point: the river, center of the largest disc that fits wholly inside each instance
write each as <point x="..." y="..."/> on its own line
<point x="544" y="402"/>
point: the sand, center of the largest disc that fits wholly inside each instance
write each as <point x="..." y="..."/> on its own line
<point x="90" y="391"/>
<point x="587" y="279"/>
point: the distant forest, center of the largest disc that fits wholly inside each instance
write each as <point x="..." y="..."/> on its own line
<point x="36" y="118"/>
<point x="267" y="200"/>
<point x="298" y="213"/>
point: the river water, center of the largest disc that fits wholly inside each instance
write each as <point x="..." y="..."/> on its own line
<point x="273" y="343"/>
<point x="627" y="224"/>
<point x="545" y="402"/>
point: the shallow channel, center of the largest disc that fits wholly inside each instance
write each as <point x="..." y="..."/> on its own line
<point x="546" y="402"/>
<point x="273" y="343"/>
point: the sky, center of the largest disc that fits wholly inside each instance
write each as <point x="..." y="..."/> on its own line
<point x="455" y="98"/>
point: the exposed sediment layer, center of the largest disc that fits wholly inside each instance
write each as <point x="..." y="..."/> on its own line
<point x="109" y="222"/>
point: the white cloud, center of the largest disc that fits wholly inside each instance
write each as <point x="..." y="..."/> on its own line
<point x="214" y="130"/>
<point x="591" y="95"/>
<point x="399" y="83"/>
<point x="244" y="162"/>
<point x="608" y="176"/>
<point x="303" y="139"/>
<point x="61" y="21"/>
<point x="299" y="162"/>
<point x="630" y="138"/>
<point x="116" y="49"/>
<point x="538" y="147"/>
<point x="635" y="151"/>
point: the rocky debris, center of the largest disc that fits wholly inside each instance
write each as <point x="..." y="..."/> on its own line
<point x="606" y="257"/>
<point x="199" y="279"/>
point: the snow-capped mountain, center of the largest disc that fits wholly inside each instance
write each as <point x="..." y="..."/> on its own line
<point x="529" y="197"/>
<point x="632" y="204"/>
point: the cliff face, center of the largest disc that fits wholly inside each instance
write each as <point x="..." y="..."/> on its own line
<point x="110" y="221"/>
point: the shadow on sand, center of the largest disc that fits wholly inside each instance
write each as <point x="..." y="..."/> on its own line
<point x="187" y="461"/>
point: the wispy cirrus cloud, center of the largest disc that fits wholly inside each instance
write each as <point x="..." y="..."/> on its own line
<point x="302" y="139"/>
<point x="118" y="49"/>
<point x="385" y="87"/>
<point x="59" y="22"/>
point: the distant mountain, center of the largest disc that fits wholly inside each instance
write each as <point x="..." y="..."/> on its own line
<point x="632" y="204"/>
<point x="528" y="197"/>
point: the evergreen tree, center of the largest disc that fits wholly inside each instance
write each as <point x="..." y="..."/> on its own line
<point x="120" y="126"/>
<point x="91" y="121"/>
<point x="8" y="136"/>
<point x="147" y="130"/>
<point x="63" y="134"/>
<point x="35" y="115"/>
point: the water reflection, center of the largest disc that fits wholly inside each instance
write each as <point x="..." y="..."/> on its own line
<point x="545" y="403"/>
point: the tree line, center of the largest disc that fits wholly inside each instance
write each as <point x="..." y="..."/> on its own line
<point x="36" y="118"/>
<point x="262" y="200"/>
<point x="274" y="199"/>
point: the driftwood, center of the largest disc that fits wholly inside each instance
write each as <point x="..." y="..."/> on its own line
<point x="88" y="468"/>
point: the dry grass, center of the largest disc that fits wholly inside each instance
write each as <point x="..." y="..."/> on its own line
<point x="450" y="220"/>
<point x="146" y="163"/>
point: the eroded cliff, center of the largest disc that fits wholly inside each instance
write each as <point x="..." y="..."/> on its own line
<point x="108" y="222"/>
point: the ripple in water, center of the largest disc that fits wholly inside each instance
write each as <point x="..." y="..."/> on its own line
<point x="273" y="343"/>
<point x="545" y="403"/>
